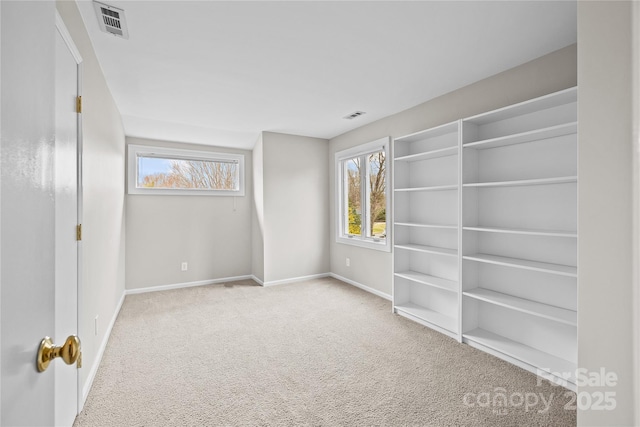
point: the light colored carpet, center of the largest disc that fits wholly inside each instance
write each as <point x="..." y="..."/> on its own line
<point x="319" y="353"/>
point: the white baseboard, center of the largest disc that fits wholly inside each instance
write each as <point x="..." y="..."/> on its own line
<point x="361" y="286"/>
<point x="187" y="284"/>
<point x="255" y="279"/>
<point x="294" y="279"/>
<point x="103" y="346"/>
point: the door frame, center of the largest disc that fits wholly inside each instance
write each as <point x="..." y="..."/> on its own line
<point x="66" y="36"/>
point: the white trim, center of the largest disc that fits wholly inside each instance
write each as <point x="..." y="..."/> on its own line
<point x="75" y="53"/>
<point x="358" y="150"/>
<point x="152" y="151"/>
<point x="256" y="279"/>
<point x="366" y="243"/>
<point x="295" y="279"/>
<point x="96" y="362"/>
<point x="361" y="286"/>
<point x="635" y="67"/>
<point x="66" y="36"/>
<point x="185" y="285"/>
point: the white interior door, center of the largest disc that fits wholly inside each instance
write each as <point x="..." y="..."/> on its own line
<point x="67" y="144"/>
<point x="27" y="228"/>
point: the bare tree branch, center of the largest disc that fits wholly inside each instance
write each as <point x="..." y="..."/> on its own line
<point x="199" y="174"/>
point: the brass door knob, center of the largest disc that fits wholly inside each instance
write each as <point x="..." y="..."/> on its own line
<point x="69" y="352"/>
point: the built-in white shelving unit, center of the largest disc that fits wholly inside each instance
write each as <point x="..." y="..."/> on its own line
<point x="426" y="228"/>
<point x="485" y="232"/>
<point x="519" y="238"/>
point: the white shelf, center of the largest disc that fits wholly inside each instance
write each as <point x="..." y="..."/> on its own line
<point x="560" y="270"/>
<point x="445" y="129"/>
<point x="525" y="182"/>
<point x="434" y="188"/>
<point x="425" y="279"/>
<point x="418" y="225"/>
<point x="563" y="97"/>
<point x="433" y="154"/>
<point x="526" y="231"/>
<point x="519" y="138"/>
<point x="447" y="322"/>
<point x="427" y="249"/>
<point x="529" y="355"/>
<point x="557" y="314"/>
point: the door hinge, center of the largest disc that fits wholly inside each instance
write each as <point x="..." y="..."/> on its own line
<point x="79" y="232"/>
<point x="79" y="104"/>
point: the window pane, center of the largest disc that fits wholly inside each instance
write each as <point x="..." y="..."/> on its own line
<point x="377" y="195"/>
<point x="354" y="196"/>
<point x="164" y="172"/>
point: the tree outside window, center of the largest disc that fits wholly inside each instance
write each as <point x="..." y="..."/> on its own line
<point x="363" y="196"/>
<point x="173" y="171"/>
<point x="157" y="172"/>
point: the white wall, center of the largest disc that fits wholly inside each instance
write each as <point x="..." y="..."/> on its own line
<point x="0" y="215"/>
<point x="27" y="223"/>
<point x="257" y="225"/>
<point x="211" y="233"/>
<point x="296" y="226"/>
<point x="103" y="198"/>
<point x="635" y="67"/>
<point x="605" y="332"/>
<point x="541" y="76"/>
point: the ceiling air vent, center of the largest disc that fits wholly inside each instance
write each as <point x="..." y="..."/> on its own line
<point x="111" y="20"/>
<point x="354" y="115"/>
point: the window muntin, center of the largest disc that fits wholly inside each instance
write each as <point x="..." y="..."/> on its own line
<point x="362" y="182"/>
<point x="157" y="170"/>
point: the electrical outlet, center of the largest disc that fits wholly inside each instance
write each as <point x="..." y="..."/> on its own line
<point x="95" y="326"/>
<point x="184" y="266"/>
<point x="348" y="262"/>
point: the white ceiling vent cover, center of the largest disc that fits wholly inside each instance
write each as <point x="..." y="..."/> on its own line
<point x="354" y="115"/>
<point x="111" y="20"/>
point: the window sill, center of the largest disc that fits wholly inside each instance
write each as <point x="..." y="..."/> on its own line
<point x="183" y="192"/>
<point x="383" y="246"/>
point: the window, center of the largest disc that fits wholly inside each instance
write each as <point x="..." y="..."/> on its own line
<point x="362" y="175"/>
<point x="157" y="170"/>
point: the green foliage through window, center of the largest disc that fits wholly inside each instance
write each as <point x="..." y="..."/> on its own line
<point x="365" y="186"/>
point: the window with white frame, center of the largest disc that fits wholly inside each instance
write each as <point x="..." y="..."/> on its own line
<point x="170" y="171"/>
<point x="362" y="178"/>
